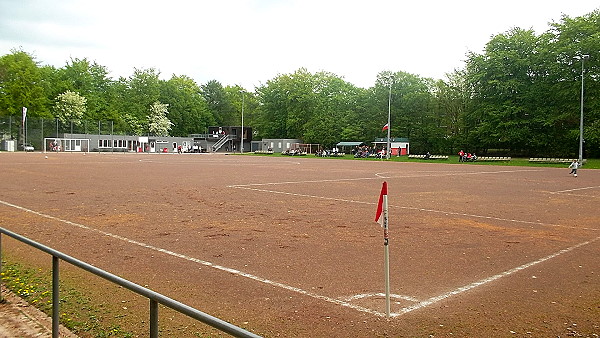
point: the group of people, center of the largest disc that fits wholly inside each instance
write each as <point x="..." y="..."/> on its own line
<point x="54" y="146"/>
<point x="466" y="157"/>
<point x="294" y="152"/>
<point x="335" y="151"/>
<point x="366" y="151"/>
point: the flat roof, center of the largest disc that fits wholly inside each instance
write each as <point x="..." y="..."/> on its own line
<point x="349" y="144"/>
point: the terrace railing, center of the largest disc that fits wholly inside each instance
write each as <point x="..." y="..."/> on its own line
<point x="154" y="297"/>
<point x="221" y="142"/>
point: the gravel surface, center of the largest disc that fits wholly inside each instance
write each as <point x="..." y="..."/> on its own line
<point x="19" y="319"/>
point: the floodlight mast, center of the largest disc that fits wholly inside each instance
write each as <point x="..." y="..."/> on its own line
<point x="583" y="58"/>
<point x="387" y="150"/>
<point x="242" y="131"/>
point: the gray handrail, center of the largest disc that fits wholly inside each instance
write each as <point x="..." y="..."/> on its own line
<point x="154" y="297"/>
<point x="221" y="142"/>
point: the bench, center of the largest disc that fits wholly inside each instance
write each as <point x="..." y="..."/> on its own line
<point x="494" y="158"/>
<point x="431" y="157"/>
<point x="552" y="160"/>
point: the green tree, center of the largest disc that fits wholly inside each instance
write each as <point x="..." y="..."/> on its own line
<point x="502" y="78"/>
<point x="142" y="90"/>
<point x="566" y="41"/>
<point x="525" y="89"/>
<point x="452" y="101"/>
<point x="412" y="113"/>
<point x="124" y="121"/>
<point x="21" y="85"/>
<point x="335" y="104"/>
<point x="242" y="99"/>
<point x="312" y="107"/>
<point x="90" y="80"/>
<point x="187" y="108"/>
<point x="70" y="107"/>
<point x="218" y="103"/>
<point x="158" y="122"/>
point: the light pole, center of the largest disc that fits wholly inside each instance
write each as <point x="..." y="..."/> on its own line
<point x="582" y="57"/>
<point x="242" y="131"/>
<point x="388" y="150"/>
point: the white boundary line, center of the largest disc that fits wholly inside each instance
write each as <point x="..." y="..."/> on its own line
<point x="473" y="285"/>
<point x="380" y="294"/>
<point x="342" y="302"/>
<point x="381" y="175"/>
<point x="454" y="213"/>
<point x="567" y="192"/>
<point x="202" y="262"/>
<point x="576" y="189"/>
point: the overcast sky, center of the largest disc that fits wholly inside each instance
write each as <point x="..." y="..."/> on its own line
<point x="249" y="42"/>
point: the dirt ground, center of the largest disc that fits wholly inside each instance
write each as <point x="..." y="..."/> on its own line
<point x="289" y="247"/>
<point x="19" y="319"/>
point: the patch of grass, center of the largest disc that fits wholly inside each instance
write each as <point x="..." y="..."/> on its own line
<point x="519" y="162"/>
<point x="78" y="313"/>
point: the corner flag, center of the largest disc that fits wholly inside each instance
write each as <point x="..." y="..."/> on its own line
<point x="379" y="213"/>
<point x="382" y="218"/>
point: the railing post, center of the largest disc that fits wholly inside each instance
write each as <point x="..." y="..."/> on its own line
<point x="154" y="297"/>
<point x="55" y="298"/>
<point x="153" y="318"/>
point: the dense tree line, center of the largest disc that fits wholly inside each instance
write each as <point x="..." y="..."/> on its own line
<point x="520" y="96"/>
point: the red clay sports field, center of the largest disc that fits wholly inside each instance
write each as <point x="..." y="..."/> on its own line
<point x="288" y="246"/>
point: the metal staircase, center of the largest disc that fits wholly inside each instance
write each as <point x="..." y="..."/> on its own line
<point x="221" y="142"/>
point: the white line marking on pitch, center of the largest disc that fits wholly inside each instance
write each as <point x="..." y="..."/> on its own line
<point x="345" y="303"/>
<point x="379" y="176"/>
<point x="408" y="208"/>
<point x="473" y="285"/>
<point x="380" y="294"/>
<point x="576" y="189"/>
<point x="205" y="263"/>
<point x="568" y="192"/>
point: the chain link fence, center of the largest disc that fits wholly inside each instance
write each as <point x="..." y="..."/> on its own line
<point x="34" y="130"/>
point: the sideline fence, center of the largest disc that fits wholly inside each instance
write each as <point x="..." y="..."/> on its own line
<point x="36" y="129"/>
<point x="154" y="297"/>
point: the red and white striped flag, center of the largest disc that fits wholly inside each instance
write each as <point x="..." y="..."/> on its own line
<point x="386" y="127"/>
<point x="379" y="215"/>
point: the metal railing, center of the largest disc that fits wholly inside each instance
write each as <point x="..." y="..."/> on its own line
<point x="221" y="142"/>
<point x="154" y="297"/>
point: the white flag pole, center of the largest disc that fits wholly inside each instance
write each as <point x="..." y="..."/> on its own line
<point x="386" y="251"/>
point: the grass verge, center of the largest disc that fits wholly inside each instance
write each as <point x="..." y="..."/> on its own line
<point x="519" y="162"/>
<point x="77" y="312"/>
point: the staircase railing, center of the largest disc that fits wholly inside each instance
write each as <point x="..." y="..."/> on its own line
<point x="221" y="142"/>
